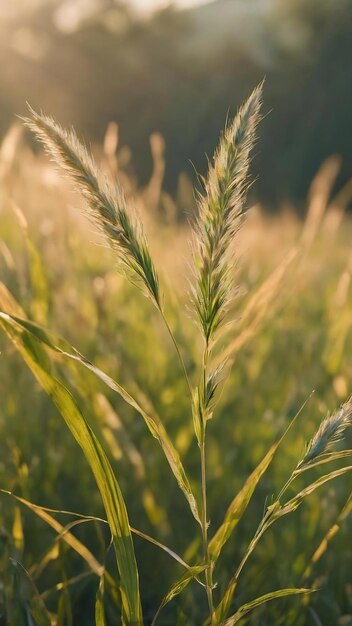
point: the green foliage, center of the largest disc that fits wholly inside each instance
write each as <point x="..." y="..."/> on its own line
<point x="275" y="356"/>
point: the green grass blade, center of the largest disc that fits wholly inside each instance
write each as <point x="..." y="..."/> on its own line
<point x="223" y="607"/>
<point x="64" y="584"/>
<point x="154" y="425"/>
<point x="32" y="353"/>
<point x="240" y="502"/>
<point x="329" y="536"/>
<point x="64" y="534"/>
<point x="162" y="546"/>
<point x="27" y="595"/>
<point x="290" y="506"/>
<point x="273" y="595"/>
<point x="177" y="588"/>
<point x="99" y="605"/>
<point x="239" y="505"/>
<point x="37" y="274"/>
<point x="297" y="500"/>
<point x="65" y="613"/>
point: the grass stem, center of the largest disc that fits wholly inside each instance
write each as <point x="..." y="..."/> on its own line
<point x="208" y="571"/>
<point x="180" y="357"/>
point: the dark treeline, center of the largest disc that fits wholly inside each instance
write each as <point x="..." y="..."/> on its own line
<point x="180" y="73"/>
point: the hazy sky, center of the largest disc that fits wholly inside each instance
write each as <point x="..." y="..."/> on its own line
<point x="148" y="5"/>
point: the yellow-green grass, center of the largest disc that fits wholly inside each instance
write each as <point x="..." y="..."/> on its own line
<point x="284" y="340"/>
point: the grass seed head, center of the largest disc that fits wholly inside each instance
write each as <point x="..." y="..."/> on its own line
<point x="330" y="431"/>
<point x="220" y="208"/>
<point x="107" y="204"/>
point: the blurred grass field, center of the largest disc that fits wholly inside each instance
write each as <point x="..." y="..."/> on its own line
<point x="289" y="335"/>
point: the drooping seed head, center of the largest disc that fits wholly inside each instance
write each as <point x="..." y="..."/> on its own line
<point x="106" y="203"/>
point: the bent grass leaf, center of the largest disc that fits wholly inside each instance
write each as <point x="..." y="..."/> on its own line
<point x="326" y="458"/>
<point x="277" y="512"/>
<point x="240" y="502"/>
<point x="177" y="587"/>
<point x="333" y="530"/>
<point x="273" y="595"/>
<point x="239" y="505"/>
<point x="262" y="304"/>
<point x="224" y="605"/>
<point x="65" y="584"/>
<point x="99" y="605"/>
<point x="37" y="274"/>
<point x="154" y="424"/>
<point x="297" y="500"/>
<point x="170" y="552"/>
<point x="29" y="596"/>
<point x="50" y="555"/>
<point x="64" y="534"/>
<point x="30" y="349"/>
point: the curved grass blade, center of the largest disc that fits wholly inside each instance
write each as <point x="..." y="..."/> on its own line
<point x="51" y="555"/>
<point x="297" y="500"/>
<point x="32" y="600"/>
<point x="333" y="530"/>
<point x="276" y="512"/>
<point x="261" y="306"/>
<point x="239" y="505"/>
<point x="273" y="595"/>
<point x="99" y="605"/>
<point x="65" y="584"/>
<point x="170" y="552"/>
<point x="81" y="549"/>
<point x="240" y="502"/>
<point x="37" y="274"/>
<point x="154" y="424"/>
<point x="32" y="353"/>
<point x="64" y="534"/>
<point x="177" y="587"/>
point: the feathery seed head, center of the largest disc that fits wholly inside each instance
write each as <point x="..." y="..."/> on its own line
<point x="220" y="208"/>
<point x="107" y="204"/>
<point x="329" y="432"/>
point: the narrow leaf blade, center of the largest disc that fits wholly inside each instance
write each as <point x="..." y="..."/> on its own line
<point x="33" y="355"/>
<point x="273" y="595"/>
<point x="177" y="587"/>
<point x="239" y="505"/>
<point x="62" y="347"/>
<point x="99" y="605"/>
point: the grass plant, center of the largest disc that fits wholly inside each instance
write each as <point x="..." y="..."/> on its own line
<point x="221" y="211"/>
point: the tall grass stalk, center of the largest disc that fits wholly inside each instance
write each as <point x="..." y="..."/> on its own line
<point x="108" y="208"/>
<point x="220" y="209"/>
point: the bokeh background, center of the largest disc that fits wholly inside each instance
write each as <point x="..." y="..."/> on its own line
<point x="179" y="69"/>
<point x="149" y="87"/>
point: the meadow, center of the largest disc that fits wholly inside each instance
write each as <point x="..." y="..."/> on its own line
<point x="286" y="342"/>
